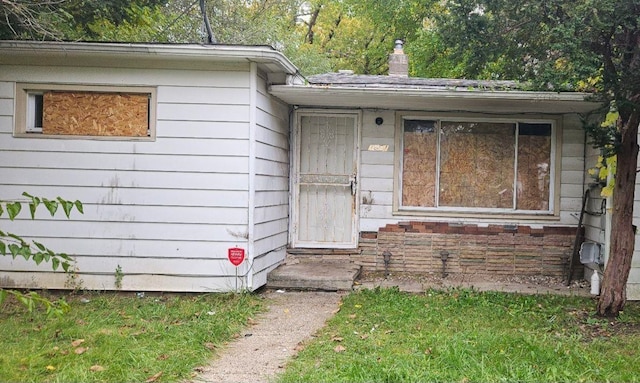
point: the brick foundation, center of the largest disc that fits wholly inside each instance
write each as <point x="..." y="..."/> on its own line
<point x="416" y="247"/>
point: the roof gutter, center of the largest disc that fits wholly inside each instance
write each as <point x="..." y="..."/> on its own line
<point x="432" y="92"/>
<point x="434" y="99"/>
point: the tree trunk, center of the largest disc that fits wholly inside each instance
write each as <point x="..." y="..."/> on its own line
<point x="311" y="25"/>
<point x="613" y="295"/>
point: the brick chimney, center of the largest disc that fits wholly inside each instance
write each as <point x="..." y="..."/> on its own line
<point x="398" y="61"/>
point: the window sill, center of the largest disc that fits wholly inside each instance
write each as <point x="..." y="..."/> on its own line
<point x="544" y="216"/>
<point x="73" y="137"/>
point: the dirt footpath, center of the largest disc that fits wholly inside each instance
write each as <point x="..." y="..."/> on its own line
<point x="263" y="349"/>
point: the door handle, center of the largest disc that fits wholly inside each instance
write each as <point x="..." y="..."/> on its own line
<point x="354" y="184"/>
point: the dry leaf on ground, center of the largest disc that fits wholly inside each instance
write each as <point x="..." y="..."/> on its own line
<point x="96" y="368"/>
<point x="340" y="348"/>
<point x="153" y="378"/>
<point x="77" y="342"/>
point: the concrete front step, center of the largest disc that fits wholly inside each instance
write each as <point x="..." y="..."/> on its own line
<point x="328" y="276"/>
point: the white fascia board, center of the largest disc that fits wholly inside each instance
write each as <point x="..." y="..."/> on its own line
<point x="433" y="92"/>
<point x="271" y="59"/>
<point x="403" y="98"/>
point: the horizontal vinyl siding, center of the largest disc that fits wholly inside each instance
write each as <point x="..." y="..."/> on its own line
<point x="271" y="215"/>
<point x="222" y="79"/>
<point x="142" y="282"/>
<point x="376" y="171"/>
<point x="165" y="211"/>
<point x="594" y="225"/>
<point x="572" y="177"/>
<point x="377" y="176"/>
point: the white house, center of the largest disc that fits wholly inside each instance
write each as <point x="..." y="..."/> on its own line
<point x="201" y="167"/>
<point x="182" y="152"/>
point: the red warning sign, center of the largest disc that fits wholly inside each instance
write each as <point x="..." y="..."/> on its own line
<point x="236" y="256"/>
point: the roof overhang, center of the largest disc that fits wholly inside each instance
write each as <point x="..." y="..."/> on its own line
<point x="134" y="55"/>
<point x="435" y="99"/>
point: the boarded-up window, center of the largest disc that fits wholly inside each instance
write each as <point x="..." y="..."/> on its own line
<point x="96" y="111"/>
<point x="476" y="165"/>
<point x="95" y="114"/>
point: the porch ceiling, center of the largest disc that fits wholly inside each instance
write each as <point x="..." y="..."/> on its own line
<point x="434" y="99"/>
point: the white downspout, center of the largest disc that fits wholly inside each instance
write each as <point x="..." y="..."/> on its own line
<point x="253" y="105"/>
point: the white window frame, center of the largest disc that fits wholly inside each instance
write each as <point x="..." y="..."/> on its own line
<point x="33" y="126"/>
<point x="554" y="183"/>
<point x="25" y="125"/>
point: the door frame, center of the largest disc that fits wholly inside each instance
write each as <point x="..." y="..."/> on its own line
<point x="295" y="172"/>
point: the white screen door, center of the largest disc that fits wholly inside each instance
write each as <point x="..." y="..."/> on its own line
<point x="325" y="181"/>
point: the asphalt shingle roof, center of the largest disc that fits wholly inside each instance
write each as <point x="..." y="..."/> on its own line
<point x="349" y="80"/>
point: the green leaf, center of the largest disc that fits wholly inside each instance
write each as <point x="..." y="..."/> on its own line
<point x="66" y="206"/>
<point x="24" y="300"/>
<point x="40" y="246"/>
<point x="25" y="251"/>
<point x="32" y="210"/>
<point x="38" y="258"/>
<point x="31" y="303"/>
<point x="52" y="206"/>
<point x="1" y="209"/>
<point x="79" y="206"/>
<point x="3" y="248"/>
<point x="14" y="249"/>
<point x="2" y="234"/>
<point x="35" y="201"/>
<point x="13" y="209"/>
<point x="55" y="262"/>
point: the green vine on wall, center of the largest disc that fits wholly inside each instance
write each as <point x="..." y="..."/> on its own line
<point x="15" y="245"/>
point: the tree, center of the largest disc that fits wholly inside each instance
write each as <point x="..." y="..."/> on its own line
<point x="28" y="19"/>
<point x="359" y="34"/>
<point x="590" y="45"/>
<point x="68" y="19"/>
<point x="15" y="245"/>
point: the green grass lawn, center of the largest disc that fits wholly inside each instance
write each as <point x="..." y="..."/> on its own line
<point x="120" y="338"/>
<point x="384" y="335"/>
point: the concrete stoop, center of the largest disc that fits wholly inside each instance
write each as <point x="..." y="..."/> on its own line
<point x="328" y="276"/>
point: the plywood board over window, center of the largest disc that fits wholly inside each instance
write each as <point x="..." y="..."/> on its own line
<point x="95" y="114"/>
<point x="500" y="166"/>
<point x="85" y="111"/>
<point x="534" y="166"/>
<point x="477" y="164"/>
<point x="419" y="163"/>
